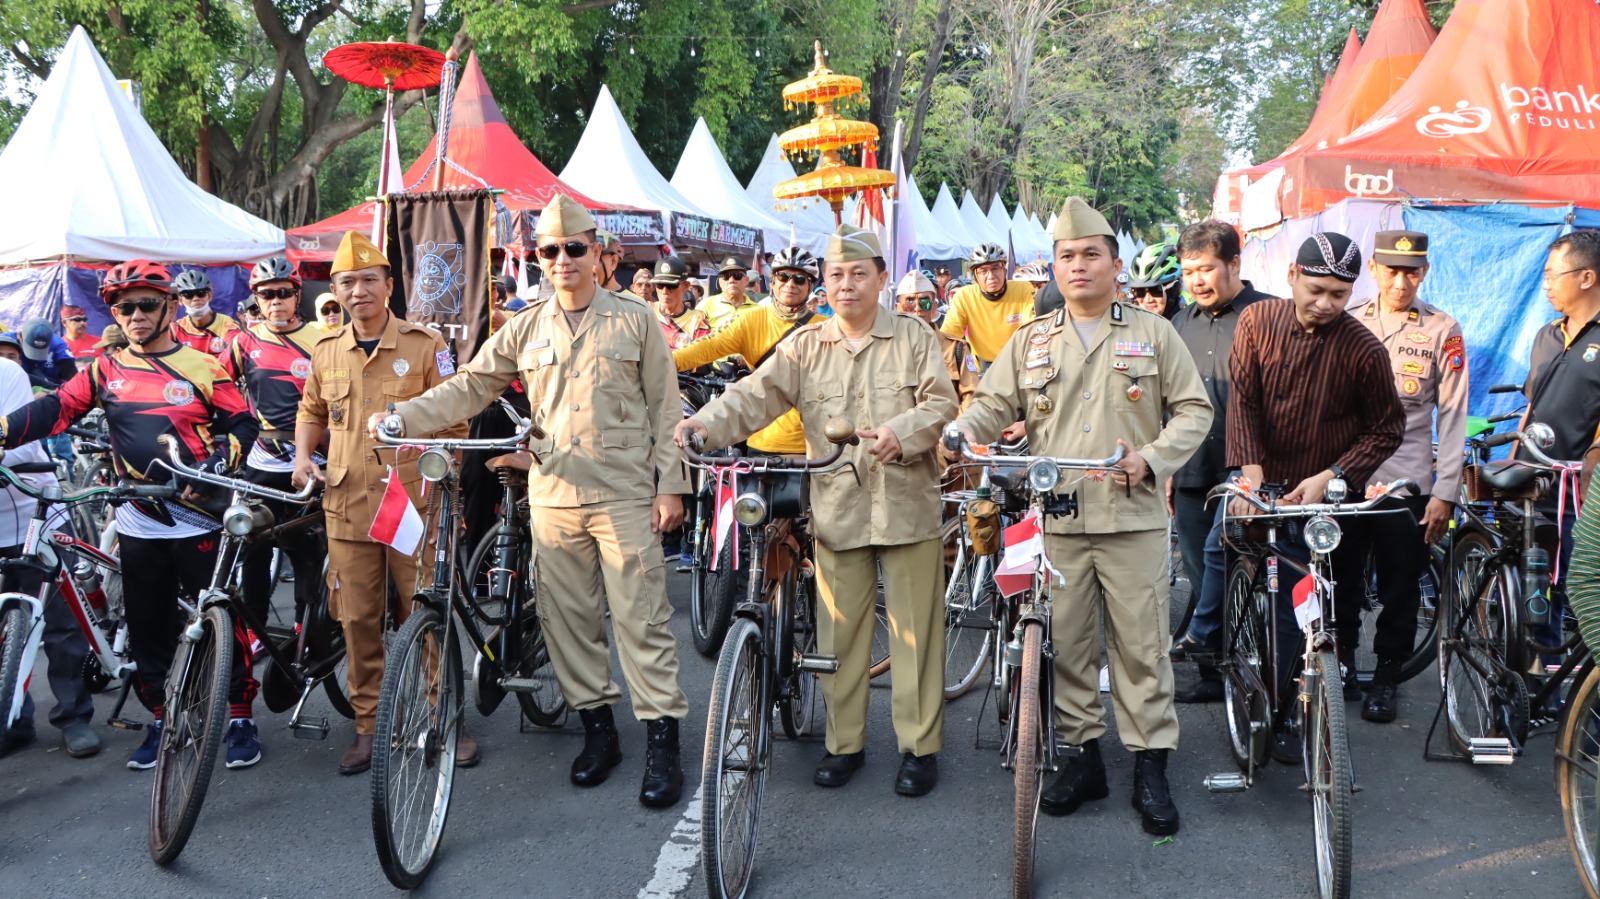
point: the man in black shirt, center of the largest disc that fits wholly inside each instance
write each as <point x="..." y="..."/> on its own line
<point x="1209" y="254"/>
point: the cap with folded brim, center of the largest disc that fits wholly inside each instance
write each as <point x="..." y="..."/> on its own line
<point x="356" y="252"/>
<point x="1079" y="220"/>
<point x="1400" y="249"/>
<point x="564" y="217"/>
<point x="914" y="283"/>
<point x="110" y="337"/>
<point x="852" y="244"/>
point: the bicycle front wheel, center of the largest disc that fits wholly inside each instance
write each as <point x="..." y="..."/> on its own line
<point x="713" y="594"/>
<point x="414" y="746"/>
<point x="1327" y="762"/>
<point x="1244" y="637"/>
<point x="196" y="714"/>
<point x="13" y="644"/>
<point x="1034" y="727"/>
<point x="1577" y="760"/>
<point x="738" y="748"/>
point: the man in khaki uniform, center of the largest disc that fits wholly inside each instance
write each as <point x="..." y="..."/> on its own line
<point x="602" y="387"/>
<point x="884" y="372"/>
<point x="356" y="370"/>
<point x="1093" y="375"/>
<point x="1429" y="358"/>
<point x="734" y="300"/>
<point x="915" y="296"/>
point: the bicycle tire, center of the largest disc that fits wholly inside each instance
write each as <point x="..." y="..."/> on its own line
<point x="1033" y="729"/>
<point x="1425" y="646"/>
<point x="1244" y="635"/>
<point x="1577" y="757"/>
<point x="880" y="633"/>
<point x="1327" y="763"/>
<point x="968" y="619"/>
<point x="1483" y="696"/>
<point x="797" y="703"/>
<point x="545" y="707"/>
<point x="325" y="640"/>
<point x="421" y="683"/>
<point x="13" y="645"/>
<point x="1471" y="560"/>
<point x="196" y="715"/>
<point x="734" y="770"/>
<point x="713" y="594"/>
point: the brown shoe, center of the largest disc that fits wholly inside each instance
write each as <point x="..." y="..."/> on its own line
<point x="358" y="758"/>
<point x="467" y="754"/>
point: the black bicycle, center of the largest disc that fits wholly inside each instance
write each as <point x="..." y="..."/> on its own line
<point x="714" y="584"/>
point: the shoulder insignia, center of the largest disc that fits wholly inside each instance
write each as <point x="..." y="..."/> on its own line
<point x="1116" y="311"/>
<point x="328" y="335"/>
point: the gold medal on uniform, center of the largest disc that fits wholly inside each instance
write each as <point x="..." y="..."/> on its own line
<point x="1135" y="391"/>
<point x="1043" y="405"/>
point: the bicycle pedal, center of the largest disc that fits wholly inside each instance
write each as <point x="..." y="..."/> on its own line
<point x="1226" y="783"/>
<point x="309" y="730"/>
<point x="522" y="684"/>
<point x="1491" y="751"/>
<point x="126" y="724"/>
<point x="818" y="663"/>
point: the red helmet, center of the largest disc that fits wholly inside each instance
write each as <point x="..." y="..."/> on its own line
<point x="135" y="273"/>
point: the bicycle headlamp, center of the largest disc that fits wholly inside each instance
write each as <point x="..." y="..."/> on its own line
<point x="239" y="520"/>
<point x="433" y="465"/>
<point x="1323" y="534"/>
<point x="750" y="510"/>
<point x="1043" y="476"/>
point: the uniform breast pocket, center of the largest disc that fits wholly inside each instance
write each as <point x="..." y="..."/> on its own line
<point x="402" y="388"/>
<point x="618" y="368"/>
<point x="1414" y="379"/>
<point x="1136" y="389"/>
<point x="536" y="367"/>
<point x="892" y="394"/>
<point x="824" y="399"/>
<point x="336" y="394"/>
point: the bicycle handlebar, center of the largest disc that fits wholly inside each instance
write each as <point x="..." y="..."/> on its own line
<point x="390" y="427"/>
<point x="1270" y="508"/>
<point x="86" y="434"/>
<point x="955" y="441"/>
<point x="840" y="432"/>
<point x="114" y="493"/>
<point x="174" y="463"/>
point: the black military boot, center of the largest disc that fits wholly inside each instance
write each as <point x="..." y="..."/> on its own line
<point x="1151" y="796"/>
<point x="663" y="774"/>
<point x="602" y="751"/>
<point x="1383" y="695"/>
<point x="1082" y="779"/>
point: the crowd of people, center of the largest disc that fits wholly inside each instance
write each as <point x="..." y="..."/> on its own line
<point x="1198" y="376"/>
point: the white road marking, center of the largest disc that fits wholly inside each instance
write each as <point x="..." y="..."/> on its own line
<point x="679" y="855"/>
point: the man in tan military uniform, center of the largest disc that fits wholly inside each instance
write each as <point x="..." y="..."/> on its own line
<point x="1430" y="374"/>
<point x="884" y="372"/>
<point x="915" y="295"/>
<point x="602" y="386"/>
<point x="357" y="369"/>
<point x="1093" y="375"/>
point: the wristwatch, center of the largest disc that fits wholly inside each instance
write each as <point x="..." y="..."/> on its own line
<point x="1337" y="472"/>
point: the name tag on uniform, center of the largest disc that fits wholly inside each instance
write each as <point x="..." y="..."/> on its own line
<point x="336" y="374"/>
<point x="1134" y="348"/>
<point x="539" y="344"/>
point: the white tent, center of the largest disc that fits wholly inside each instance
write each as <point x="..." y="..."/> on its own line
<point x="812" y="223"/>
<point x="85" y="177"/>
<point x="1026" y="242"/>
<point x="978" y="223"/>
<point x="933" y="242"/>
<point x="1001" y="223"/>
<point x="949" y="217"/>
<point x="704" y="177"/>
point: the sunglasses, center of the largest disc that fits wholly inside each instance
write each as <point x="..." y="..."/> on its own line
<point x="329" y="310"/>
<point x="146" y="306"/>
<point x="78" y="318"/>
<point x="733" y="276"/>
<point x="791" y="278"/>
<point x="276" y="293"/>
<point x="923" y="303"/>
<point x="193" y="294"/>
<point x="575" y="249"/>
<point x="1148" y="292"/>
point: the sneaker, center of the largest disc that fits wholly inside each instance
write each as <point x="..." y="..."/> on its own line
<point x="686" y="559"/>
<point x="144" y="758"/>
<point x="244" y="747"/>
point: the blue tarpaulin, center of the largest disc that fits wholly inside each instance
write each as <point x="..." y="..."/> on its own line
<point x="41" y="290"/>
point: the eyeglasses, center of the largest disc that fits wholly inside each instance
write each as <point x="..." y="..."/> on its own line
<point x="193" y="294"/>
<point x="733" y="276"/>
<point x="791" y="278"/>
<point x="1148" y="292"/>
<point x="575" y="249"/>
<point x="276" y="293"/>
<point x="1551" y="279"/>
<point x="146" y="306"/>
<point x="329" y="310"/>
<point x="78" y="318"/>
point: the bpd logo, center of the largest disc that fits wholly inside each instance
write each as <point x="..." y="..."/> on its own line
<point x="178" y="393"/>
<point x="441" y="276"/>
<point x="1364" y="185"/>
<point x="1464" y="119"/>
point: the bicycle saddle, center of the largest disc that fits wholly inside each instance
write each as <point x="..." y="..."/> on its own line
<point x="517" y="461"/>
<point x="1507" y="476"/>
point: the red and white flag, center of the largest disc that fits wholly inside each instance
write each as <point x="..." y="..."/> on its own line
<point x="1024" y="551"/>
<point x="397" y="523"/>
<point x="722" y="519"/>
<point x="1307" y="607"/>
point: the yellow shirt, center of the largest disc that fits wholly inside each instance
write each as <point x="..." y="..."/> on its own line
<point x="750" y="336"/>
<point x="987" y="324"/>
<point x="719" y="311"/>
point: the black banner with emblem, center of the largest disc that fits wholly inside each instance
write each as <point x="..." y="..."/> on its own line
<point x="439" y="245"/>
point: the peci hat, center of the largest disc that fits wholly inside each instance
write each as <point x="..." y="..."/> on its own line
<point x="564" y="217"/>
<point x="852" y="244"/>
<point x="1078" y="220"/>
<point x="914" y="283"/>
<point x="732" y="264"/>
<point x="356" y="252"/>
<point x="1400" y="249"/>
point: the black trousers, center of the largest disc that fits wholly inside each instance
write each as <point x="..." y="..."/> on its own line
<point x="305" y="549"/>
<point x="1192" y="520"/>
<point x="1399" y="557"/>
<point x="480" y="490"/>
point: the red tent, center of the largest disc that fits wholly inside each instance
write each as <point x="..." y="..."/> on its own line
<point x="482" y="144"/>
<point x="1505" y="106"/>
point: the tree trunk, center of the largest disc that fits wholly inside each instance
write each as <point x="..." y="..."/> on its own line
<point x="930" y="71"/>
<point x="202" y="156"/>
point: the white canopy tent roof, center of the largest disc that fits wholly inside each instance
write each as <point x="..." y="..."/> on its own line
<point x="1000" y="221"/>
<point x="609" y="165"/>
<point x="1027" y="243"/>
<point x="933" y="241"/>
<point x="949" y="217"/>
<point x="978" y="223"/>
<point x="812" y="223"/>
<point x="704" y="177"/>
<point x="85" y="177"/>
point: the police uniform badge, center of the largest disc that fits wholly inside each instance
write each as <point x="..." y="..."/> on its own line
<point x="1455" y="353"/>
<point x="401" y="366"/>
<point x="1410" y="387"/>
<point x="1590" y="351"/>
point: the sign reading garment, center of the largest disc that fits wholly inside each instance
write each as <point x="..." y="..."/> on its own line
<point x="439" y="243"/>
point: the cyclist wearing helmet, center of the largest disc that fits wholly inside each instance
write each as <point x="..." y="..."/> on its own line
<point x="681" y="324"/>
<point x="203" y="328"/>
<point x="157" y="387"/>
<point x="915" y="295"/>
<point x="605" y="274"/>
<point x="756" y="334"/>
<point x="46" y="357"/>
<point x="941" y="282"/>
<point x="1156" y="282"/>
<point x="75" y="331"/>
<point x="985" y="312"/>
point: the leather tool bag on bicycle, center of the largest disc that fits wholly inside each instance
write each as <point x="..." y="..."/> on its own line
<point x="786" y="495"/>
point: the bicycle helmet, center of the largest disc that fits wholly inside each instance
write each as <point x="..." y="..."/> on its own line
<point x="135" y="273"/>
<point x="1157" y="266"/>
<point x="192" y="279"/>
<point x="1034" y="273"/>
<point x="273" y="268"/>
<point x="798" y="260"/>
<point x="985" y="253"/>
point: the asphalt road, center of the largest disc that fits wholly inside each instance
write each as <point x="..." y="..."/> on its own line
<point x="292" y="827"/>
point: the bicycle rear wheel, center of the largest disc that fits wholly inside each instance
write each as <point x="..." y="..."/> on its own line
<point x="13" y="644"/>
<point x="196" y="714"/>
<point x="1034" y="727"/>
<point x="1484" y="697"/>
<point x="325" y="640"/>
<point x="414" y="747"/>
<point x="968" y="614"/>
<point x="880" y="633"/>
<point x="713" y="594"/>
<point x="738" y="749"/>
<point x="1327" y="761"/>
<point x="1425" y="647"/>
<point x="544" y="705"/>
<point x="1577" y="761"/>
<point x="1244" y="637"/>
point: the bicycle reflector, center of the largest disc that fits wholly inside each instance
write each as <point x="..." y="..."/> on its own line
<point x="1323" y="534"/>
<point x="1043" y="476"/>
<point x="239" y="520"/>
<point x="750" y="510"/>
<point x="433" y="465"/>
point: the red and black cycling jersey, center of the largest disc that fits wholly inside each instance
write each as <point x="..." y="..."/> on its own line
<point x="273" y="367"/>
<point x="212" y="339"/>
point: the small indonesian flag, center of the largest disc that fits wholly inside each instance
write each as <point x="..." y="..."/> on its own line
<point x="1307" y="606"/>
<point x="722" y="519"/>
<point x="1024" y="550"/>
<point x="396" y="523"/>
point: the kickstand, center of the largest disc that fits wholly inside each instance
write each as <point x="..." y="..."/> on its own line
<point x="977" y="730"/>
<point x="525" y="726"/>
<point x="1428" y="754"/>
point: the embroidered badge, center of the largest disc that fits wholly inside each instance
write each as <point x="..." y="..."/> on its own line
<point x="1410" y="387"/>
<point x="217" y="345"/>
<point x="1014" y="318"/>
<point x="336" y="413"/>
<point x="1411" y="368"/>
<point x="178" y="393"/>
<point x="1419" y="337"/>
<point x="1455" y="352"/>
<point x="401" y="366"/>
<point x="300" y="368"/>
<point x="1134" y="348"/>
<point x="447" y="364"/>
<point x="1590" y="351"/>
<point x="1042" y="328"/>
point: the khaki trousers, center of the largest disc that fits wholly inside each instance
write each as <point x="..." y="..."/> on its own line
<point x="359" y="573"/>
<point x="1124" y="577"/>
<point x="913" y="587"/>
<point x="582" y="558"/>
